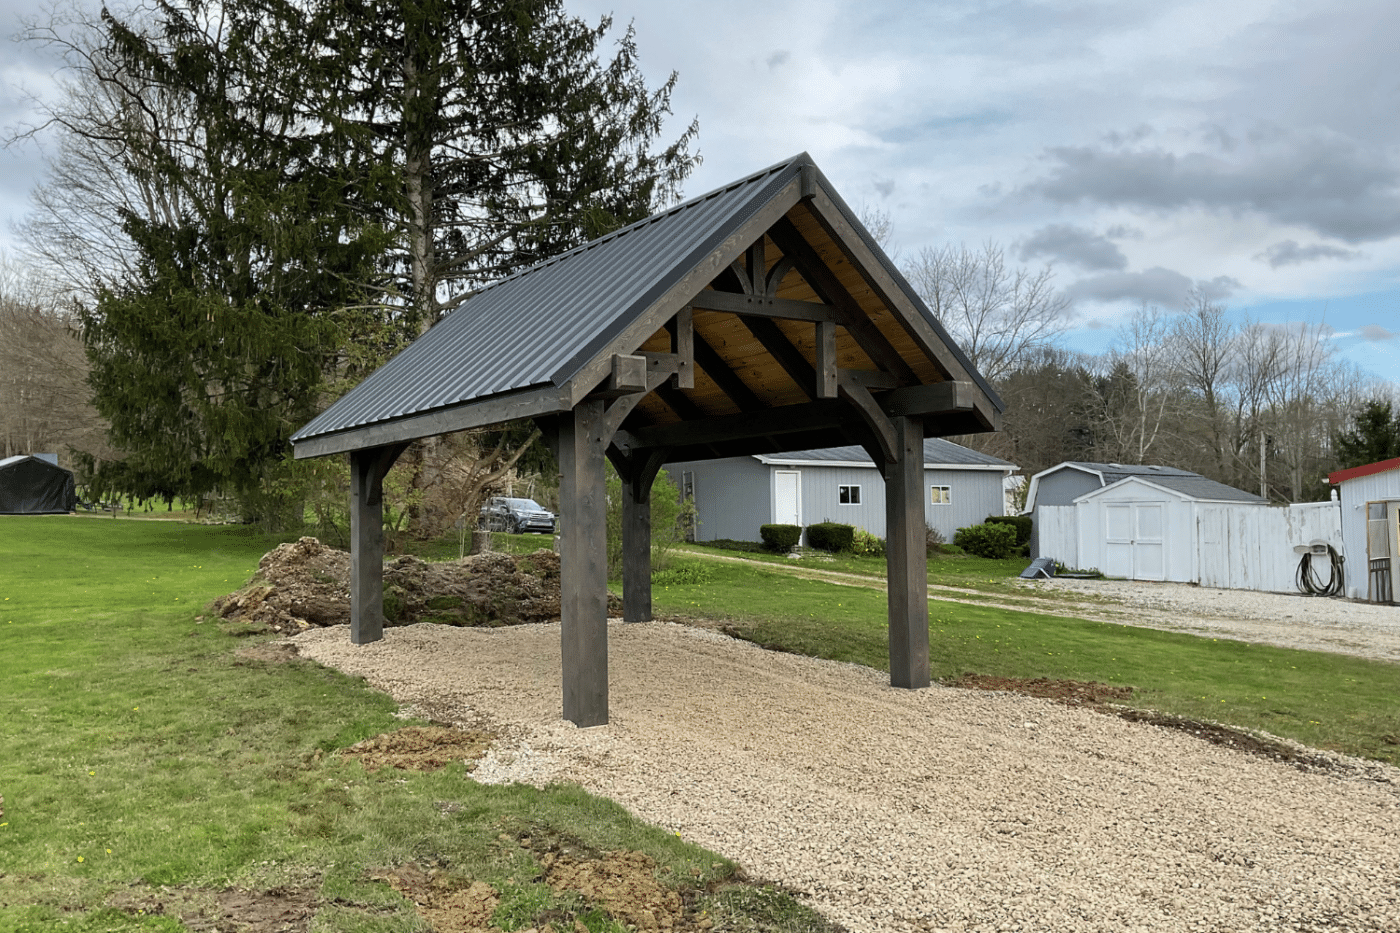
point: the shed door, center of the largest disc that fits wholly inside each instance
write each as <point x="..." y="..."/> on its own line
<point x="1134" y="540"/>
<point x="787" y="497"/>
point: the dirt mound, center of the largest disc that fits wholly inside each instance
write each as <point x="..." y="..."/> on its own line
<point x="420" y="748"/>
<point x="306" y="584"/>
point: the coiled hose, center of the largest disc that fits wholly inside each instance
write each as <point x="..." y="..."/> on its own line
<point x="1310" y="581"/>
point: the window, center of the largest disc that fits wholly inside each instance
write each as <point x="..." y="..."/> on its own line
<point x="850" y="495"/>
<point x="940" y="495"/>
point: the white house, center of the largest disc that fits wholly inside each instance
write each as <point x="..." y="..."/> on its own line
<point x="1370" y="497"/>
<point x="735" y="495"/>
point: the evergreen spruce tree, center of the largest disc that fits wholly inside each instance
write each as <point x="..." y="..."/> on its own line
<point x="1374" y="436"/>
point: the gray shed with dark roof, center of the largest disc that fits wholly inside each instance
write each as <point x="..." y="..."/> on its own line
<point x="759" y="318"/>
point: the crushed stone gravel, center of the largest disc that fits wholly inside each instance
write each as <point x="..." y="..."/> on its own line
<point x="928" y="810"/>
<point x="1288" y="620"/>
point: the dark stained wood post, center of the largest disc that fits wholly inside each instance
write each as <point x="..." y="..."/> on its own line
<point x="367" y="470"/>
<point x="907" y="558"/>
<point x="638" y="472"/>
<point x="583" y="550"/>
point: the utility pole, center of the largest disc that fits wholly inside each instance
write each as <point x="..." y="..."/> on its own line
<point x="1263" y="478"/>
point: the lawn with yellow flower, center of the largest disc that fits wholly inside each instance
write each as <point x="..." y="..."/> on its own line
<point x="158" y="775"/>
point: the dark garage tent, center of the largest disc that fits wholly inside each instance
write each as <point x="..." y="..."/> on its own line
<point x="32" y="486"/>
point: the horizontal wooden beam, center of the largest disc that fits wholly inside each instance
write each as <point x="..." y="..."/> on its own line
<point x="940" y="398"/>
<point x="478" y="413"/>
<point x="764" y="306"/>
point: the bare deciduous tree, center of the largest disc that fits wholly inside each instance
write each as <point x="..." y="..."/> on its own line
<point x="998" y="314"/>
<point x="44" y="397"/>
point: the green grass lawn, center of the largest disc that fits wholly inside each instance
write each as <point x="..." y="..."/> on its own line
<point x="137" y="750"/>
<point x="1324" y="700"/>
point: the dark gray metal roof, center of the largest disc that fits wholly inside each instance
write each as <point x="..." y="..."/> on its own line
<point x="1183" y="481"/>
<point x="1198" y="487"/>
<point x="936" y="450"/>
<point x="540" y="327"/>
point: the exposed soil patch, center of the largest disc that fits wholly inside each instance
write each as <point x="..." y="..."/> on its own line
<point x="281" y="910"/>
<point x="448" y="904"/>
<point x="306" y="584"/>
<point x="1105" y="698"/>
<point x="421" y="748"/>
<point x="1216" y="734"/>
<point x="266" y="653"/>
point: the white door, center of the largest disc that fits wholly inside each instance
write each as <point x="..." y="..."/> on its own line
<point x="1118" y="539"/>
<point x="787" y="497"/>
<point x="1149" y="544"/>
<point x="1134" y="540"/>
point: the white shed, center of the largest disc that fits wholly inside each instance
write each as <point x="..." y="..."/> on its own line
<point x="1370" y="497"/>
<point x="1143" y="530"/>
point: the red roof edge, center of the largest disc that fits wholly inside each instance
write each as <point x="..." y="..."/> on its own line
<point x="1367" y="470"/>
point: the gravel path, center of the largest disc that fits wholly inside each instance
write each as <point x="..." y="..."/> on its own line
<point x="936" y="809"/>
<point x="1289" y="620"/>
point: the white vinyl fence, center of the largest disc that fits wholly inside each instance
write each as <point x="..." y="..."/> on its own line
<point x="1238" y="547"/>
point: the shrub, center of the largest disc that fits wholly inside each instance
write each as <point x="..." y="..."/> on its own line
<point x="995" y="540"/>
<point x="867" y="545"/>
<point x="831" y="536"/>
<point x="780" y="538"/>
<point x="1022" y="524"/>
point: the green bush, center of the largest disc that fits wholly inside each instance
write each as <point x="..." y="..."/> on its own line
<point x="996" y="541"/>
<point x="867" y="545"/>
<point x="780" y="538"/>
<point x="831" y="536"/>
<point x="1022" y="524"/>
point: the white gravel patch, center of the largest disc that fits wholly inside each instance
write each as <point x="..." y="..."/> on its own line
<point x="936" y="809"/>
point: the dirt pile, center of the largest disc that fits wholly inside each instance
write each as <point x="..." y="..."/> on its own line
<point x="420" y="748"/>
<point x="306" y="584"/>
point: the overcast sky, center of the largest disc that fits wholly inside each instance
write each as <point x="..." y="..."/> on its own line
<point x="1250" y="147"/>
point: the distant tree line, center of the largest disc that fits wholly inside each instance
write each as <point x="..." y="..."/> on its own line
<point x="1256" y="406"/>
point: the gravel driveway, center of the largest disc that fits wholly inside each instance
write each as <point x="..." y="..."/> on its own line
<point x="936" y="809"/>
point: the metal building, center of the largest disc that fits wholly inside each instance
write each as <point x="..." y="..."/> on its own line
<point x="1370" y="497"/>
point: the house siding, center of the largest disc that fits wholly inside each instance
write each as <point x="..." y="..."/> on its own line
<point x="732" y="496"/>
<point x="1064" y="486"/>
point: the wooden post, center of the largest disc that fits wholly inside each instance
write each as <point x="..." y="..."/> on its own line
<point x="638" y="472"/>
<point x="583" y="548"/>
<point x="906" y="557"/>
<point x="367" y="470"/>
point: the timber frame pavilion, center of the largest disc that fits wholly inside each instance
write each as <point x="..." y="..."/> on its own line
<point x="758" y="318"/>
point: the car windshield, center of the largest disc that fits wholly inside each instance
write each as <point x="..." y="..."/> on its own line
<point x="530" y="504"/>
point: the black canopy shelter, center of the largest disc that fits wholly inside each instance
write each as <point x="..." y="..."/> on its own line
<point x="758" y="318"/>
<point x="31" y="485"/>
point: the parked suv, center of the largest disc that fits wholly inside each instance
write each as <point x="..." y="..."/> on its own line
<point x="516" y="516"/>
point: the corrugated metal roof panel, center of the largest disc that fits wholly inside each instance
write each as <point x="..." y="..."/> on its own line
<point x="543" y="324"/>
